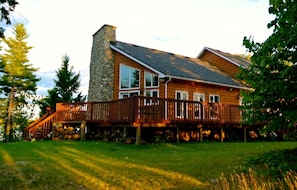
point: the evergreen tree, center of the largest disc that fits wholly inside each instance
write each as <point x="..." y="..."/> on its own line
<point x="65" y="89"/>
<point x="17" y="75"/>
<point x="68" y="82"/>
<point x="273" y="73"/>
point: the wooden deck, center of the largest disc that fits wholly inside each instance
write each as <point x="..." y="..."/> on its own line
<point x="147" y="111"/>
<point x="137" y="112"/>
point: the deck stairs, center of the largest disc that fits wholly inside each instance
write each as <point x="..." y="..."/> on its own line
<point x="40" y="128"/>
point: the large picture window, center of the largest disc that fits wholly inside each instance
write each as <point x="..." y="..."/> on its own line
<point x="129" y="77"/>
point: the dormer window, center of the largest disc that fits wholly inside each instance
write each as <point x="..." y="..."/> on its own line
<point x="129" y="77"/>
<point x="151" y="80"/>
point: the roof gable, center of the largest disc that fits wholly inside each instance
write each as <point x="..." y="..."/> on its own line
<point x="176" y="66"/>
<point x="234" y="59"/>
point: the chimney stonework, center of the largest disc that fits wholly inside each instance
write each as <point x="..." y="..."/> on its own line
<point x="102" y="65"/>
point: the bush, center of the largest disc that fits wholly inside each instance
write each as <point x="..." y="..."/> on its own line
<point x="272" y="164"/>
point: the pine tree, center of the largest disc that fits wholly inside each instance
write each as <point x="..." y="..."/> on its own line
<point x="273" y="74"/>
<point x="17" y="75"/>
<point x="68" y="82"/>
<point x="66" y="87"/>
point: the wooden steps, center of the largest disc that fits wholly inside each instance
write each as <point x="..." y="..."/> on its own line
<point x="40" y="128"/>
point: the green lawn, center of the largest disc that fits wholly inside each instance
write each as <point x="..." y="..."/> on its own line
<point x="100" y="165"/>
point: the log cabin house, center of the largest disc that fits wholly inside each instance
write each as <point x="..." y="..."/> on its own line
<point x="144" y="94"/>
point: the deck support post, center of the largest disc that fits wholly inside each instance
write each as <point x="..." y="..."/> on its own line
<point x="125" y="134"/>
<point x="201" y="134"/>
<point x="82" y="131"/>
<point x="177" y="134"/>
<point x="244" y="134"/>
<point x="222" y="134"/>
<point x="138" y="135"/>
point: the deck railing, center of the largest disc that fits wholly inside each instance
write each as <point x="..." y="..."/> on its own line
<point x="149" y="110"/>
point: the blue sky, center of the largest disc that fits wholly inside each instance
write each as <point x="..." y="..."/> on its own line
<point x="179" y="26"/>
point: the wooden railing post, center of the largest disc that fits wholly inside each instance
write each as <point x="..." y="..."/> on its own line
<point x="165" y="109"/>
<point x="136" y="104"/>
<point x="185" y="110"/>
<point x="92" y="112"/>
<point x="230" y="114"/>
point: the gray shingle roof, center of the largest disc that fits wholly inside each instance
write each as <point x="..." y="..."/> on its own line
<point x="176" y="66"/>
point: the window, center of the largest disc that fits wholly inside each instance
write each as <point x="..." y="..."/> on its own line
<point x="128" y="94"/>
<point x="154" y="94"/>
<point x="214" y="110"/>
<point x="181" y="107"/>
<point x="199" y="97"/>
<point x="151" y="80"/>
<point x="129" y="77"/>
<point x="214" y="98"/>
<point x="198" y="107"/>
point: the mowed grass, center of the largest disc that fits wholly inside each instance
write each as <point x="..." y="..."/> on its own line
<point x="102" y="165"/>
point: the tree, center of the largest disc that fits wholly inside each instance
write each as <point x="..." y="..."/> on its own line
<point x="65" y="89"/>
<point x="6" y="7"/>
<point x="17" y="75"/>
<point x="273" y="72"/>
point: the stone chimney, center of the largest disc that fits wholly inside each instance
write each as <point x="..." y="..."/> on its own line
<point x="102" y="65"/>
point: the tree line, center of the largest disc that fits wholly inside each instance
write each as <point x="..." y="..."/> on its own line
<point x="18" y="79"/>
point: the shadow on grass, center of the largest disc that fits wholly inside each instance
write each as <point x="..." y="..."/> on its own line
<point x="11" y="171"/>
<point x="103" y="172"/>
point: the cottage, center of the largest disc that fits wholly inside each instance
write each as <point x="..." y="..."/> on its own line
<point x="120" y="70"/>
<point x="153" y="94"/>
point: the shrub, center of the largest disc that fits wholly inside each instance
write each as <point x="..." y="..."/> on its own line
<point x="272" y="164"/>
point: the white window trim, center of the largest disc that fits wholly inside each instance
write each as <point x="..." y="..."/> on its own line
<point x="128" y="92"/>
<point x="199" y="94"/>
<point x="214" y="107"/>
<point x="151" y="74"/>
<point x="151" y="93"/>
<point x="210" y="95"/>
<point x="201" y="107"/>
<point x="182" y="104"/>
<point x="120" y="78"/>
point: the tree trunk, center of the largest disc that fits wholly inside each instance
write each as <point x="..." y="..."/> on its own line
<point x="9" y="117"/>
